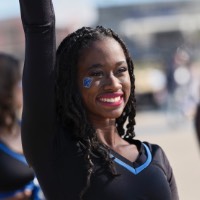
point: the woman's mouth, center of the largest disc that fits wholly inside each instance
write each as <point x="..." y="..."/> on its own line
<point x="111" y="99"/>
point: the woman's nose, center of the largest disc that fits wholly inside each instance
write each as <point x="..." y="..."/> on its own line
<point x="111" y="82"/>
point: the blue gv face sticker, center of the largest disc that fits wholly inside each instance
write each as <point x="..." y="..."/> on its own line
<point x="87" y="82"/>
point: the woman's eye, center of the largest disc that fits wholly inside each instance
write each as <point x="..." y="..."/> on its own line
<point x="121" y="70"/>
<point x="96" y="73"/>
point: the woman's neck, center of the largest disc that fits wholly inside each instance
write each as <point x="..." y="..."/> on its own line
<point x="107" y="132"/>
<point x="12" y="138"/>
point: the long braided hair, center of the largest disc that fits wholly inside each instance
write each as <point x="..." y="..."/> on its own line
<point x="70" y="108"/>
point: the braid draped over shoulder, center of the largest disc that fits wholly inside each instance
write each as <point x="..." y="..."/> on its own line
<point x="70" y="108"/>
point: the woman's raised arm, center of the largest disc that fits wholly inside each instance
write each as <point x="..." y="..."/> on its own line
<point x="38" y="118"/>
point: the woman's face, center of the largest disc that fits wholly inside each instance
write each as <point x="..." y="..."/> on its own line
<point x="103" y="79"/>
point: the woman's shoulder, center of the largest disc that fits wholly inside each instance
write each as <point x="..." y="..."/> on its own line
<point x="159" y="157"/>
<point x="153" y="146"/>
<point x="156" y="150"/>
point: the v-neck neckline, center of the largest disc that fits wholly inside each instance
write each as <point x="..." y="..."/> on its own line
<point x="143" y="160"/>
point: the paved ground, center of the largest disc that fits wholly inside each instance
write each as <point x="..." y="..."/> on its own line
<point x="177" y="137"/>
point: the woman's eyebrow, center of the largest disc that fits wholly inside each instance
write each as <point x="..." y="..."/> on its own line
<point x="120" y="63"/>
<point x="94" y="66"/>
<point x="98" y="65"/>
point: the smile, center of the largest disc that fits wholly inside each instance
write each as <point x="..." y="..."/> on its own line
<point x="110" y="100"/>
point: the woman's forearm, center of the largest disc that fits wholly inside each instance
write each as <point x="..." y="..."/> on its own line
<point x="38" y="76"/>
<point x="36" y="12"/>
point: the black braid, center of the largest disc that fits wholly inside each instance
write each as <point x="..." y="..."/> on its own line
<point x="70" y="108"/>
<point x="90" y="166"/>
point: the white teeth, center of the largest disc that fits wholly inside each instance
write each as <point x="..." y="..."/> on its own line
<point x="110" y="100"/>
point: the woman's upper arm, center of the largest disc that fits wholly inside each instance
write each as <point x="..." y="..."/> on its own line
<point x="38" y="118"/>
<point x="170" y="176"/>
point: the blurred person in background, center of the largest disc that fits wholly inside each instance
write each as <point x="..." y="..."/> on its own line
<point x="197" y="123"/>
<point x="17" y="180"/>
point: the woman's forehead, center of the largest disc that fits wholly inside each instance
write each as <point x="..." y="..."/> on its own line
<point x="103" y="51"/>
<point x="103" y="45"/>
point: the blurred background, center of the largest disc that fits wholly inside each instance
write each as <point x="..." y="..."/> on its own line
<point x="163" y="37"/>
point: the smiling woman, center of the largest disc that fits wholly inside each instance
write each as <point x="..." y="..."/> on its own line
<point x="105" y="62"/>
<point x="79" y="116"/>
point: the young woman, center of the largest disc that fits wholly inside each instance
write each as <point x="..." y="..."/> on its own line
<point x="78" y="116"/>
<point x="197" y="122"/>
<point x="16" y="178"/>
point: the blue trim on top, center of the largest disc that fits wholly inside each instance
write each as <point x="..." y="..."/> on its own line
<point x="140" y="168"/>
<point x="30" y="186"/>
<point x="13" y="154"/>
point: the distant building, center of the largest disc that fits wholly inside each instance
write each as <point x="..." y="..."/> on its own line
<point x="151" y="29"/>
<point x="12" y="37"/>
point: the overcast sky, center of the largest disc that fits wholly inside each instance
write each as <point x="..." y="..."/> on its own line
<point x="10" y="8"/>
<point x="81" y="11"/>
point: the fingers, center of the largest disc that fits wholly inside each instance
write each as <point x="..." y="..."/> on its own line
<point x="25" y="195"/>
